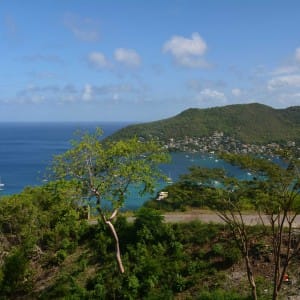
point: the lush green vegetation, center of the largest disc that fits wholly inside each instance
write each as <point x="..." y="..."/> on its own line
<point x="48" y="250"/>
<point x="106" y="172"/>
<point x="273" y="192"/>
<point x="249" y="123"/>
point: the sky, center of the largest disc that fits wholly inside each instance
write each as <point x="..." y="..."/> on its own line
<point x="140" y="61"/>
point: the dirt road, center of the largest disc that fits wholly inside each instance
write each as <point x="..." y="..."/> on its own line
<point x="209" y="216"/>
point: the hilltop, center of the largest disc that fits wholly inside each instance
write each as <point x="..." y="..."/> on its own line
<point x="249" y="123"/>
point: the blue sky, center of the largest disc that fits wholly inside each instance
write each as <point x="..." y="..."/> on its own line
<point x="93" y="60"/>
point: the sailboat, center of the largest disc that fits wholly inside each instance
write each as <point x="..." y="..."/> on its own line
<point x="1" y="185"/>
<point x="169" y="179"/>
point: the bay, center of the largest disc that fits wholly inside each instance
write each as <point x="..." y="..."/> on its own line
<point x="26" y="150"/>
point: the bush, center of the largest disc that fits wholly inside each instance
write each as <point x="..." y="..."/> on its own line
<point x="14" y="272"/>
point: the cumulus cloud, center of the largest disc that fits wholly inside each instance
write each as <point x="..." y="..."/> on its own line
<point x="292" y="81"/>
<point x="211" y="97"/>
<point x="98" y="60"/>
<point x="84" y="29"/>
<point x="187" y="52"/>
<point x="127" y="57"/>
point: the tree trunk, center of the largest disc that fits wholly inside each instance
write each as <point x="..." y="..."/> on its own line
<point x="118" y="252"/>
<point x="112" y="229"/>
<point x="275" y="293"/>
<point x="251" y="278"/>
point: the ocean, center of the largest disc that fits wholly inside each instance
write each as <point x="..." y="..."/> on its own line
<point x="27" y="149"/>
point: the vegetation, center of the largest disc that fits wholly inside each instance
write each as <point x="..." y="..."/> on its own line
<point x="48" y="249"/>
<point x="273" y="191"/>
<point x="249" y="123"/>
<point x="64" y="258"/>
<point x="38" y="228"/>
<point x="277" y="195"/>
<point x="107" y="172"/>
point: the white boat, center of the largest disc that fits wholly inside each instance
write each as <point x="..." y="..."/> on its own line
<point x="169" y="180"/>
<point x="1" y="185"/>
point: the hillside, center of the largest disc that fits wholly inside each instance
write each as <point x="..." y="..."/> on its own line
<point x="249" y="123"/>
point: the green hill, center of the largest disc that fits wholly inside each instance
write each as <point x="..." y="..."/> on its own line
<point x="249" y="123"/>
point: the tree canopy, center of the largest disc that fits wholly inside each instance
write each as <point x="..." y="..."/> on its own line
<point x="107" y="171"/>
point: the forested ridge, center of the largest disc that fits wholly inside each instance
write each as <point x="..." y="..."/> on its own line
<point x="249" y="123"/>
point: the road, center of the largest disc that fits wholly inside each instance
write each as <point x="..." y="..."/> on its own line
<point x="207" y="217"/>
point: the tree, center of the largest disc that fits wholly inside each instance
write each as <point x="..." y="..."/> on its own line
<point x="228" y="198"/>
<point x="278" y="198"/>
<point x="108" y="171"/>
<point x="276" y="190"/>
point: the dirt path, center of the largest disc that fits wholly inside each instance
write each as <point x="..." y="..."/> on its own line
<point x="208" y="217"/>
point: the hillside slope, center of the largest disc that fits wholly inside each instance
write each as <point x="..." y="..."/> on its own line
<point x="250" y="123"/>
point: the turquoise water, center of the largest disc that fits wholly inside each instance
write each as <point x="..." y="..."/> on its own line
<point x="26" y="150"/>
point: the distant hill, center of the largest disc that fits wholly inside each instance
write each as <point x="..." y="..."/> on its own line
<point x="249" y="123"/>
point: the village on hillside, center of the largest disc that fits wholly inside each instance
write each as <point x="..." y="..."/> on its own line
<point x="218" y="142"/>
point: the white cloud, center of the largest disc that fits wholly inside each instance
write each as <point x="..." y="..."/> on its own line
<point x="84" y="29"/>
<point x="187" y="52"/>
<point x="213" y="94"/>
<point x="98" y="60"/>
<point x="211" y="97"/>
<point x="128" y="57"/>
<point x="236" y="92"/>
<point x="284" y="81"/>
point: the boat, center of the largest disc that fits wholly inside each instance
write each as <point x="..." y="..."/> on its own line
<point x="169" y="180"/>
<point x="1" y="185"/>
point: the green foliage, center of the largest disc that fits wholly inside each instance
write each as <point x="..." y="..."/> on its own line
<point x="162" y="260"/>
<point x="250" y="123"/>
<point x="148" y="218"/>
<point x="15" y="273"/>
<point x="40" y="225"/>
<point x="41" y="229"/>
<point x="107" y="171"/>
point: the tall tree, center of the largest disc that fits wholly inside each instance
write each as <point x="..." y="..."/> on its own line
<point x="108" y="172"/>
